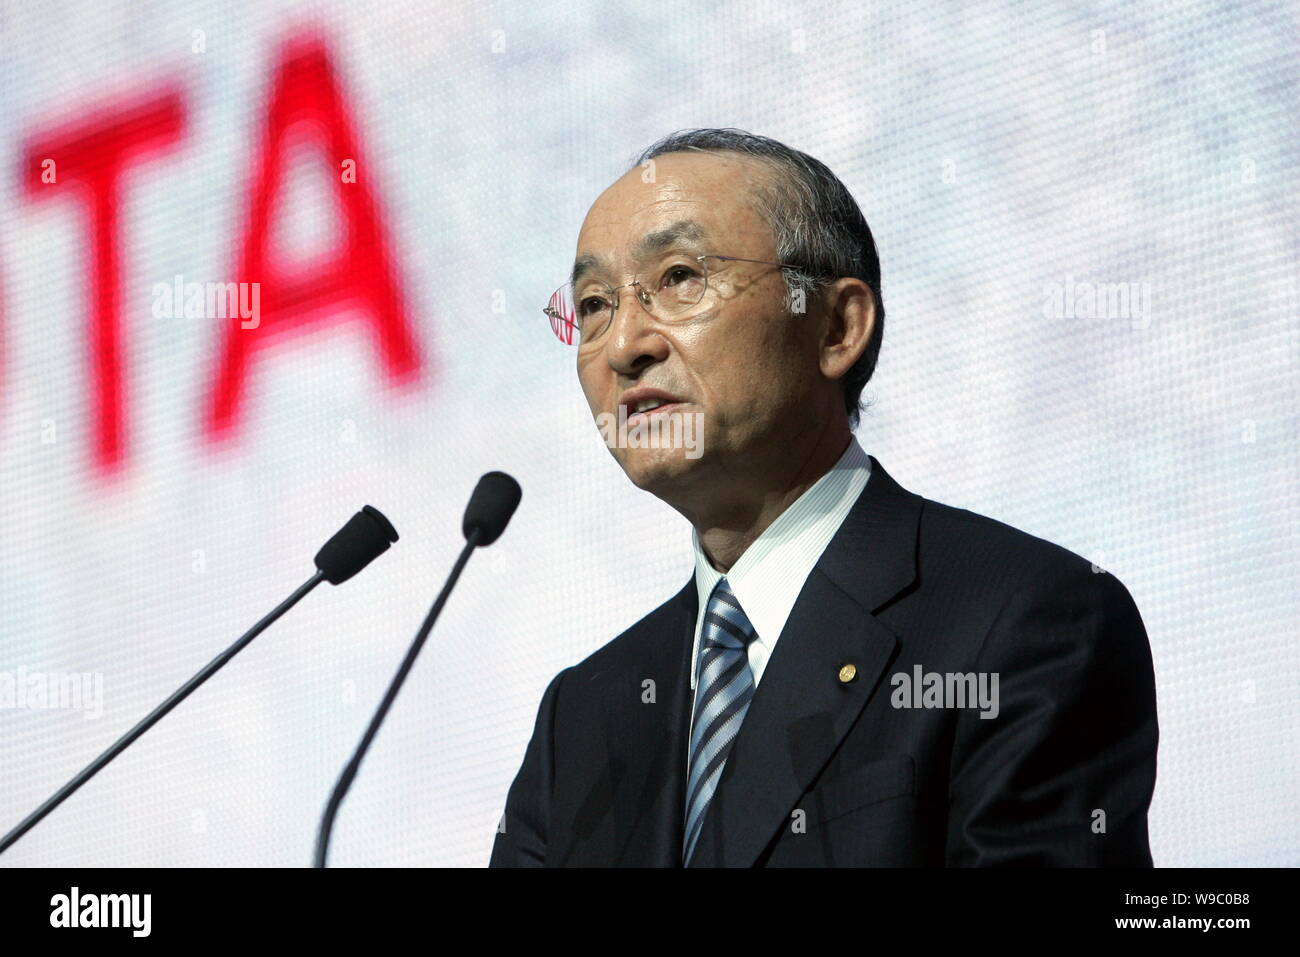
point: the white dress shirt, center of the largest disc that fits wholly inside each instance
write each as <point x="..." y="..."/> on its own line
<point x="768" y="577"/>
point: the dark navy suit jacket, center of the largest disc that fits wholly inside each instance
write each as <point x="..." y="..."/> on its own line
<point x="831" y="773"/>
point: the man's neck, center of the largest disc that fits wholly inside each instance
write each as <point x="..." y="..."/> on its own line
<point x="728" y="528"/>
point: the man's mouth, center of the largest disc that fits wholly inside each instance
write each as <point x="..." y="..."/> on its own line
<point x="639" y="404"/>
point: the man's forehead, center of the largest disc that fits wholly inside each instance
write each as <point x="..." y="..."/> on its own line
<point x="693" y="199"/>
<point x="674" y="183"/>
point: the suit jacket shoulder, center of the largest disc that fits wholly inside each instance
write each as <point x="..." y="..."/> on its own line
<point x="641" y="640"/>
<point x="974" y="566"/>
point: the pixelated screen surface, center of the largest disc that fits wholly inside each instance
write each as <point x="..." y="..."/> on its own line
<point x="1086" y="222"/>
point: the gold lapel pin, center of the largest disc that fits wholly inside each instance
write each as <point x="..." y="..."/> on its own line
<point x="848" y="673"/>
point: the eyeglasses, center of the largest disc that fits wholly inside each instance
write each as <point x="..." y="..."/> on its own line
<point x="581" y="317"/>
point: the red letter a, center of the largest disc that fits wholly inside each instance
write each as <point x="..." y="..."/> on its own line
<point x="359" y="275"/>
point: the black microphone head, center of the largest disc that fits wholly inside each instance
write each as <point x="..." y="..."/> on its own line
<point x="494" y="500"/>
<point x="365" y="537"/>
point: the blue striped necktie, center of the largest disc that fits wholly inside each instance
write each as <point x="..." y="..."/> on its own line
<point x="722" y="694"/>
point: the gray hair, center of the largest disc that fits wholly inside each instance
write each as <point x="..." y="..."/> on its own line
<point x="816" y="223"/>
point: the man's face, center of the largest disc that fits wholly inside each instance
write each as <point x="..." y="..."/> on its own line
<point x="741" y="359"/>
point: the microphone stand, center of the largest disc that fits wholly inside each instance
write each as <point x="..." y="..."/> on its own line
<point x="345" y="779"/>
<point x="350" y="771"/>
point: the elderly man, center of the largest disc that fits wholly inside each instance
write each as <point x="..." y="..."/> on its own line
<point x="854" y="675"/>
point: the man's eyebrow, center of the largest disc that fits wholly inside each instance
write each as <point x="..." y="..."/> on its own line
<point x="584" y="264"/>
<point x="684" y="230"/>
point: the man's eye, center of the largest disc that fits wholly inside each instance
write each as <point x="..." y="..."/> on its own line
<point x="679" y="274"/>
<point x="590" y="305"/>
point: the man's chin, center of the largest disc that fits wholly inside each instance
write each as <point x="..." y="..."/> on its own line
<point x="657" y="471"/>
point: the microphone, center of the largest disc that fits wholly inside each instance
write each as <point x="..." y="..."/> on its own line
<point x="365" y="537"/>
<point x="493" y="502"/>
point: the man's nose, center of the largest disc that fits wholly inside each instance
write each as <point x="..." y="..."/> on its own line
<point x="633" y="341"/>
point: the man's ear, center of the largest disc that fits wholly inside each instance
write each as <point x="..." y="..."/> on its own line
<point x="850" y="320"/>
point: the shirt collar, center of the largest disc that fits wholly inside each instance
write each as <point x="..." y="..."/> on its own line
<point x="768" y="577"/>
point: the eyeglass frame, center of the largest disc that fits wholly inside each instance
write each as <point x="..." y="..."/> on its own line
<point x="642" y="295"/>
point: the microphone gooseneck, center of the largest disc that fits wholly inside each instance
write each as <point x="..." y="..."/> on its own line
<point x="490" y="508"/>
<point x="351" y="549"/>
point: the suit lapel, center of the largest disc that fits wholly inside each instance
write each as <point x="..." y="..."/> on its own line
<point x="646" y="741"/>
<point x="802" y="710"/>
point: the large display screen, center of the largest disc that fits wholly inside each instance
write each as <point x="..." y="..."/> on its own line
<point x="1086" y="221"/>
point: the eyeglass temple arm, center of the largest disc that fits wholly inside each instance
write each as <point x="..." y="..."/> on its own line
<point x="762" y="262"/>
